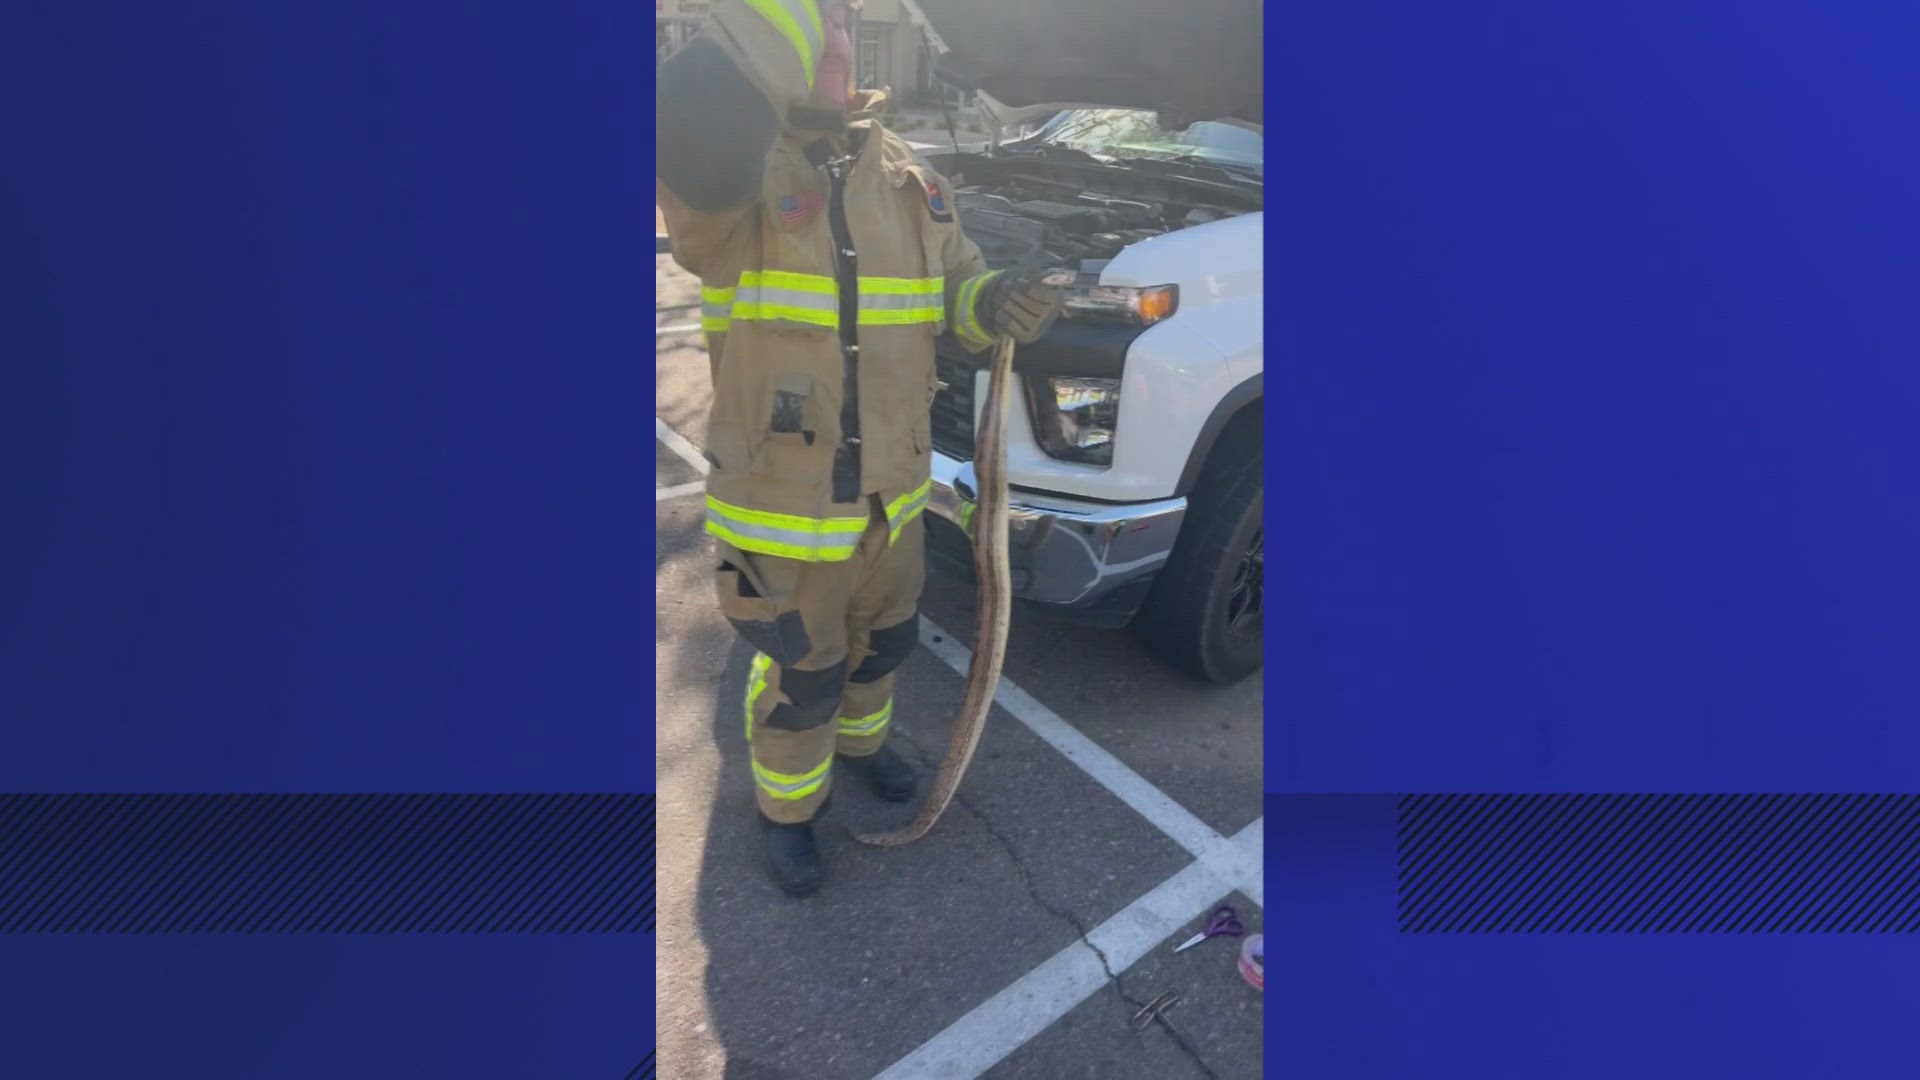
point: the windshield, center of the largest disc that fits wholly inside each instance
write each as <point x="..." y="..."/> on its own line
<point x="1137" y="133"/>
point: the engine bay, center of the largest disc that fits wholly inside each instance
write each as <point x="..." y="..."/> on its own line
<point x="1024" y="214"/>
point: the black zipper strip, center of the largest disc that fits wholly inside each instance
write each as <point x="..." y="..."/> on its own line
<point x="846" y="456"/>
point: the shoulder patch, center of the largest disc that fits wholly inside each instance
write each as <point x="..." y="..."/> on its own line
<point x="936" y="202"/>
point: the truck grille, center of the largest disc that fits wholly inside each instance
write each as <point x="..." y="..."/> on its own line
<point x="953" y="408"/>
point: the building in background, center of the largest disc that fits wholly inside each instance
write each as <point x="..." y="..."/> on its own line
<point x="674" y="24"/>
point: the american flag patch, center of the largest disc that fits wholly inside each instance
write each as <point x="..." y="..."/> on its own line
<point x="795" y="208"/>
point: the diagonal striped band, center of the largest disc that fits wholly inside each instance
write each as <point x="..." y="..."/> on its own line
<point x="789" y="786"/>
<point x="715" y="305"/>
<point x="966" y="320"/>
<point x="756" y="685"/>
<point x="799" y="22"/>
<point x="907" y="507"/>
<point x="857" y="727"/>
<point x="334" y="864"/>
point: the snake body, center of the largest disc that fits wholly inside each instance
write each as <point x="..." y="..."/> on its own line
<point x="990" y="613"/>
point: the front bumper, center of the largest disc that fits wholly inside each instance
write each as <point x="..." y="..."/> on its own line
<point x="1092" y="560"/>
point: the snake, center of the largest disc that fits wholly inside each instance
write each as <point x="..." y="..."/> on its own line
<point x="990" y="615"/>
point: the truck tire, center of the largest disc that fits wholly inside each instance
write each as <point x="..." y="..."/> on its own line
<point x="1204" y="611"/>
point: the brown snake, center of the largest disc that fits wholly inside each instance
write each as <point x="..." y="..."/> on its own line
<point x="991" y="611"/>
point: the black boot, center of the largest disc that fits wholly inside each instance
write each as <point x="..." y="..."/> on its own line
<point x="793" y="857"/>
<point x="887" y="774"/>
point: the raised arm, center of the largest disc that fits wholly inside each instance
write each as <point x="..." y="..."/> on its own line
<point x="720" y="106"/>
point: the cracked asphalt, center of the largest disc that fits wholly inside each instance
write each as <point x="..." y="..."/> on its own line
<point x="902" y="942"/>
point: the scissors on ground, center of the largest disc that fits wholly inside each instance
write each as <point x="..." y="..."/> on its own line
<point x="1225" y="922"/>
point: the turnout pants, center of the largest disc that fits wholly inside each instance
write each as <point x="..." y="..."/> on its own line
<point x="829" y="637"/>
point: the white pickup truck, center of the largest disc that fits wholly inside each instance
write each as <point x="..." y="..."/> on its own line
<point x="1135" y="455"/>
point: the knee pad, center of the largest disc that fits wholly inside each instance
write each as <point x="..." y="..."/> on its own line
<point x="890" y="645"/>
<point x="812" y="697"/>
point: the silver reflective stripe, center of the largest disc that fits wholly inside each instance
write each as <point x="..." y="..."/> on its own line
<point x="867" y="725"/>
<point x="789" y="785"/>
<point x="800" y="298"/>
<point x="832" y="535"/>
<point x="898" y="302"/>
<point x="901" y="513"/>
<point x="799" y="22"/>
<point x="806" y="13"/>
<point x="756" y="685"/>
<point x="965" y="310"/>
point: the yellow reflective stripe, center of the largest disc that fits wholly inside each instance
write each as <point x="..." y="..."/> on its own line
<point x="867" y="725"/>
<point x="714" y="306"/>
<point x="966" y="322"/>
<point x="779" y="549"/>
<point x="898" y="316"/>
<point x="748" y="310"/>
<point x="892" y="301"/>
<point x="787" y="279"/>
<point x="907" y="507"/>
<point x="966" y="518"/>
<point x="783" y="20"/>
<point x="784" y="535"/>
<point x="783" y="294"/>
<point x="902" y="286"/>
<point x="826" y="286"/>
<point x="899" y="504"/>
<point x="791" y="785"/>
<point x="811" y="10"/>
<point x="813" y="299"/>
<point x="756" y="685"/>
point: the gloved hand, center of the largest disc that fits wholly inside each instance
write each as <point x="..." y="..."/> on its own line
<point x="1019" y="302"/>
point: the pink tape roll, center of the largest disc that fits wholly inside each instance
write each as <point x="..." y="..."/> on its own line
<point x="1253" y="961"/>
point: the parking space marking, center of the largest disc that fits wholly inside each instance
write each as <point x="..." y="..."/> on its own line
<point x="683" y="328"/>
<point x="1006" y="1021"/>
<point x="1244" y="870"/>
<point x="678" y="443"/>
<point x="1003" y="1023"/>
<point x="661" y="495"/>
<point x="1231" y="862"/>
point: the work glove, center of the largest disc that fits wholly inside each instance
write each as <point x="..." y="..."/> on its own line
<point x="1022" y="303"/>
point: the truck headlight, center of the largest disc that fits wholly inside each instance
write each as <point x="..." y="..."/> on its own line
<point x="1074" y="418"/>
<point x="1119" y="303"/>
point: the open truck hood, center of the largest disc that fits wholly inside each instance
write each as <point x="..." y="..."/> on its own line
<point x="1188" y="59"/>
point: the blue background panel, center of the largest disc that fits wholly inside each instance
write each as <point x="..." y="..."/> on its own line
<point x="322" y="398"/>
<point x="1594" y="439"/>
<point x="321" y="412"/>
<point x="493" y="1008"/>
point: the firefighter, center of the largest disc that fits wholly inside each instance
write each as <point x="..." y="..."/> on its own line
<point x="829" y="260"/>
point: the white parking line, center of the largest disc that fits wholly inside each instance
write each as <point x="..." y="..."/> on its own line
<point x="677" y="443"/>
<point x="1246" y="872"/>
<point x="1227" y="860"/>
<point x="661" y="495"/>
<point x="1004" y="1022"/>
<point x="683" y="328"/>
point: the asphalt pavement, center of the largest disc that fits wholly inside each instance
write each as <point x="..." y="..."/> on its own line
<point x="1112" y="803"/>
